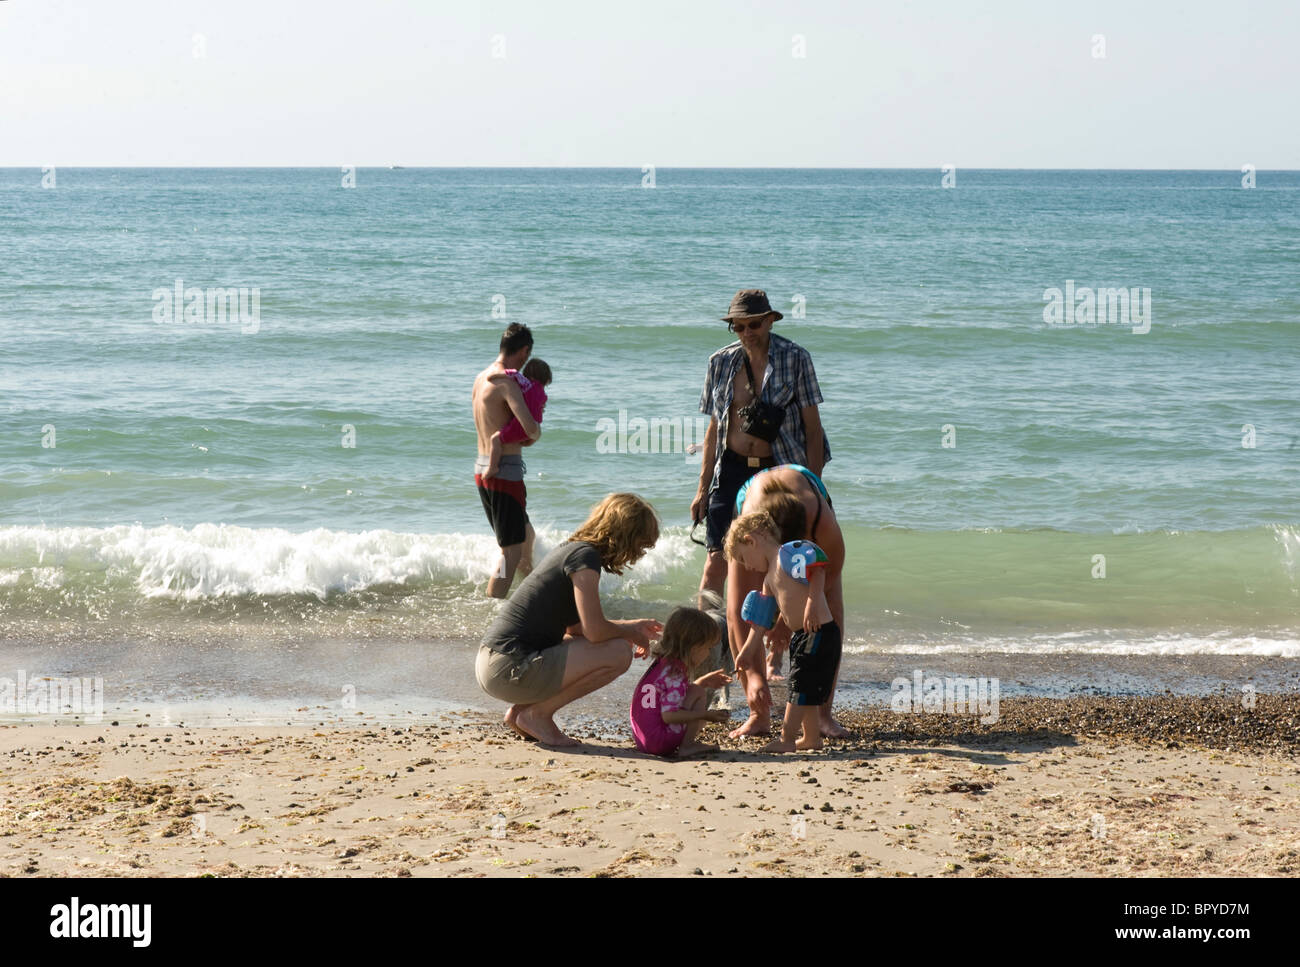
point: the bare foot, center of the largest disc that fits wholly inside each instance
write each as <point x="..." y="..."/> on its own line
<point x="511" y="720"/>
<point x="832" y="729"/>
<point x="754" y="725"/>
<point x="805" y="743"/>
<point x="776" y="745"/>
<point x="694" y="748"/>
<point x="542" y="728"/>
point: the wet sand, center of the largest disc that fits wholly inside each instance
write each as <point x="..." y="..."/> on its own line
<point x="1056" y="787"/>
<point x="228" y="678"/>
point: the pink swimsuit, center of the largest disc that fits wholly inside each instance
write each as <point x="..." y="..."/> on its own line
<point x="663" y="686"/>
<point x="534" y="396"/>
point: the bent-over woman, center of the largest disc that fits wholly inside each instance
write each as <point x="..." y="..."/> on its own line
<point x="822" y="529"/>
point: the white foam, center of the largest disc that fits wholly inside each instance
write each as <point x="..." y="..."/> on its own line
<point x="670" y="555"/>
<point x="1289" y="539"/>
<point x="1086" y="643"/>
<point x="215" y="560"/>
<point x="222" y="560"/>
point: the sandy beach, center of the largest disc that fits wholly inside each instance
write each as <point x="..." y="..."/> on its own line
<point x="1099" y="787"/>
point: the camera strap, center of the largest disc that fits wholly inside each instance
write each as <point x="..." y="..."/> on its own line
<point x="749" y="375"/>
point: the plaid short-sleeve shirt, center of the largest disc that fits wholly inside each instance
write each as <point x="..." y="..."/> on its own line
<point x="792" y="386"/>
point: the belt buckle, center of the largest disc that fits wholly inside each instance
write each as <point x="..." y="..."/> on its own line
<point x="752" y="461"/>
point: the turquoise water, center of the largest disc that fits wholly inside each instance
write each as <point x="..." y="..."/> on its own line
<point x="198" y="475"/>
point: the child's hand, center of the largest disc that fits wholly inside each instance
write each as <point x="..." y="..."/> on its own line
<point x="810" y="622"/>
<point x="718" y="715"/>
<point x="714" y="679"/>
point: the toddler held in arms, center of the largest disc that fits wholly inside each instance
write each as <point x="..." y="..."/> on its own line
<point x="668" y="709"/>
<point x="532" y="380"/>
<point x="795" y="586"/>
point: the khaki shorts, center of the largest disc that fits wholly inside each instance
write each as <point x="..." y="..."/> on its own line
<point x="521" y="680"/>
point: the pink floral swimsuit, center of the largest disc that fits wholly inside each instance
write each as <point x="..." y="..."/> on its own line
<point x="663" y="686"/>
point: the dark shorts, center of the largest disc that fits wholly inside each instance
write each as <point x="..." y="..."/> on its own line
<point x="813" y="661"/>
<point x="722" y="498"/>
<point x="504" y="502"/>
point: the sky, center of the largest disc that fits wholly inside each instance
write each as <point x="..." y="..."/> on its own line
<point x="1046" y="84"/>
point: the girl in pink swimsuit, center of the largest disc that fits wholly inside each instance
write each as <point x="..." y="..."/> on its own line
<point x="533" y="380"/>
<point x="668" y="709"/>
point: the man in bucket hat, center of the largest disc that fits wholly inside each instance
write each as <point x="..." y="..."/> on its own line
<point x="760" y="415"/>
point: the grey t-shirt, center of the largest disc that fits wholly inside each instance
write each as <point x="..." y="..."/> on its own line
<point x="544" y="605"/>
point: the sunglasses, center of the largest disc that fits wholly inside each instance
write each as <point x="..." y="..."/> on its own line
<point x="741" y="327"/>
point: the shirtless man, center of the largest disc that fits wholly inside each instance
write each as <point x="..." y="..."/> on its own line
<point x="783" y="377"/>
<point x="497" y="398"/>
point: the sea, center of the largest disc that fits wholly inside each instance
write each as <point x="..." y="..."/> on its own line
<point x="236" y="448"/>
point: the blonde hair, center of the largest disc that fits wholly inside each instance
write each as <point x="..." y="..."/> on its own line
<point x="684" y="631"/>
<point x="623" y="527"/>
<point x="746" y="526"/>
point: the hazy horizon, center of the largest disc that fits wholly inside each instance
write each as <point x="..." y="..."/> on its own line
<point x="762" y="84"/>
<point x="668" y="167"/>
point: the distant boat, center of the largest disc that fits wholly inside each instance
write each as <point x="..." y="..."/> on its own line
<point x="396" y="167"/>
